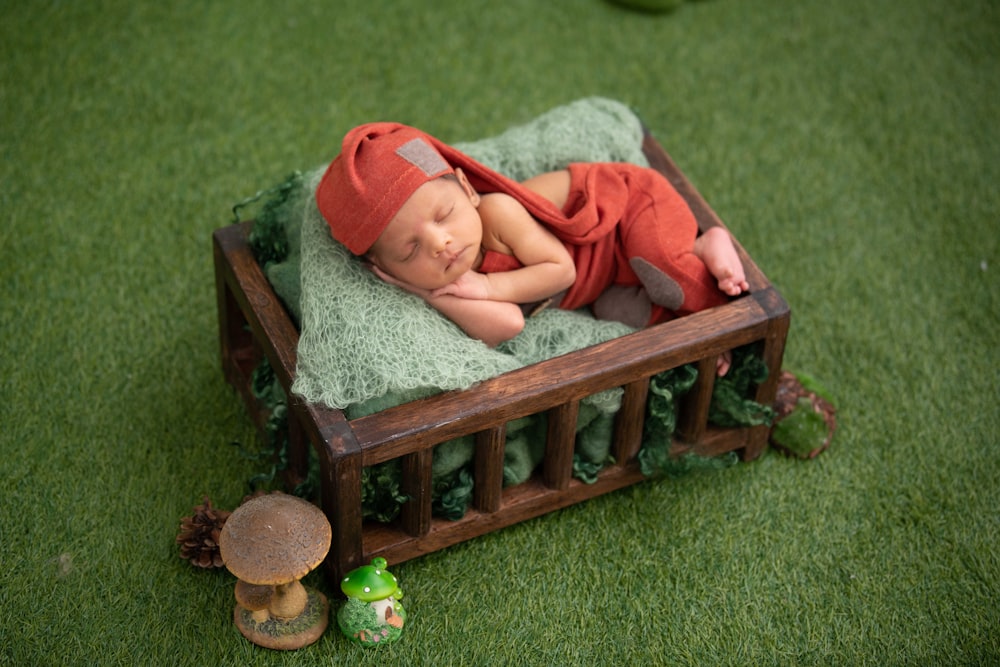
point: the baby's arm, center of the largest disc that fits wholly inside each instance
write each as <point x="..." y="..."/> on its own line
<point x="508" y="228"/>
<point x="492" y="322"/>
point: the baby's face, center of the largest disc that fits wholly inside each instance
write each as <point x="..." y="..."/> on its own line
<point x="435" y="237"/>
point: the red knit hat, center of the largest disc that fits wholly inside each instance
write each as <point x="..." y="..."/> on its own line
<point x="382" y="164"/>
<point x="379" y="167"/>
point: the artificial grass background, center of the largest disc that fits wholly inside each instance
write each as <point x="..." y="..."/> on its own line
<point x="853" y="147"/>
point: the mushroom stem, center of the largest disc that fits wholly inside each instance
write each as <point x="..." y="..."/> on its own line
<point x="289" y="600"/>
<point x="254" y="599"/>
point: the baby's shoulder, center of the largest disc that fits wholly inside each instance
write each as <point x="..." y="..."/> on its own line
<point x="499" y="210"/>
<point x="499" y="202"/>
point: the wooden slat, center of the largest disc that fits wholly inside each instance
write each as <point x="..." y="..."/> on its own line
<point x="489" y="468"/>
<point x="629" y="422"/>
<point x="557" y="467"/>
<point x="692" y="419"/>
<point x="416" y="484"/>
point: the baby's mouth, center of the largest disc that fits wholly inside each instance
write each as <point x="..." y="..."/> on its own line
<point x="452" y="259"/>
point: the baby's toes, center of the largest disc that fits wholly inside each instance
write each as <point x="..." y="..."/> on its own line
<point x="729" y="286"/>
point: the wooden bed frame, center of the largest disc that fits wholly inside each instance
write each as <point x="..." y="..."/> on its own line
<point x="254" y="324"/>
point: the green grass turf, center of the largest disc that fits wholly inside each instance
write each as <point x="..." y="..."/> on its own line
<point x="852" y="146"/>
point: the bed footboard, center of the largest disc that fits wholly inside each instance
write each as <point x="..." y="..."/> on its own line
<point x="254" y="325"/>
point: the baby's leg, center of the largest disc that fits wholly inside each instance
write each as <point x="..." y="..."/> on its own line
<point x="657" y="233"/>
<point x="553" y="185"/>
<point x="715" y="248"/>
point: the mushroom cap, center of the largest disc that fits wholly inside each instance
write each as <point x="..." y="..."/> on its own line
<point x="274" y="539"/>
<point x="369" y="583"/>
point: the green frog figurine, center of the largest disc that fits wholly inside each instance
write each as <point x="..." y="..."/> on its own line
<point x="373" y="613"/>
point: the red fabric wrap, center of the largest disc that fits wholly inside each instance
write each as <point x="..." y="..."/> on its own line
<point x="615" y="211"/>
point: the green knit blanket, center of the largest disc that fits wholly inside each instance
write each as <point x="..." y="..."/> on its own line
<point x="366" y="344"/>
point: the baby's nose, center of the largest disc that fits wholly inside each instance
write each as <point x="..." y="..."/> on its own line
<point x="439" y="241"/>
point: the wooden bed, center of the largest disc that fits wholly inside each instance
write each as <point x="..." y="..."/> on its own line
<point x="254" y="324"/>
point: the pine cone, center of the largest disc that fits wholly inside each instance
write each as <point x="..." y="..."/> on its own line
<point x="199" y="535"/>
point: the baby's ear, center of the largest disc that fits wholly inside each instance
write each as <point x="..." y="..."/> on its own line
<point x="469" y="190"/>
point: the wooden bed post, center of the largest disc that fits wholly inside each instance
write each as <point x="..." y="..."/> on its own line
<point x="773" y="352"/>
<point x="339" y="457"/>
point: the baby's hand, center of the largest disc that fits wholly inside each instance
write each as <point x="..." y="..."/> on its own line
<point x="469" y="285"/>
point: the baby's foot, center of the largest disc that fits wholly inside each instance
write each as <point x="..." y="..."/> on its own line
<point x="723" y="363"/>
<point x="715" y="248"/>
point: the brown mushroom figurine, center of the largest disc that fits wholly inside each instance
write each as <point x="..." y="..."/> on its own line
<point x="269" y="543"/>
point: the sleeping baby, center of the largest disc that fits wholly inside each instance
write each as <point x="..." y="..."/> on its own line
<point x="483" y="249"/>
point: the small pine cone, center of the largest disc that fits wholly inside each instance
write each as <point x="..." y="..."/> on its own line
<point x="199" y="535"/>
